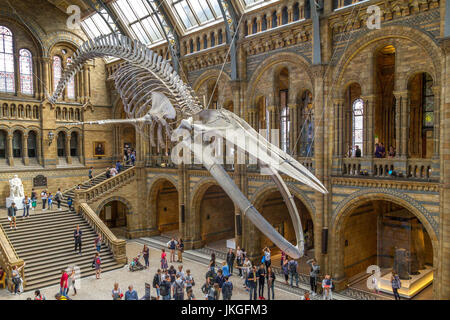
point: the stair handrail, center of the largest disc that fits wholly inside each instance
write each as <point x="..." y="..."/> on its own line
<point x="9" y="257"/>
<point x="74" y="187"/>
<point x="117" y="246"/>
<point x="83" y="193"/>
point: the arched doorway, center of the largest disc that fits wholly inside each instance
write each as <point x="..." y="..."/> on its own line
<point x="273" y="208"/>
<point x="391" y="236"/>
<point x="216" y="217"/>
<point x="167" y="208"/>
<point x="114" y="215"/>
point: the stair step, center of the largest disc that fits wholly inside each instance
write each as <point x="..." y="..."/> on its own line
<point x="51" y="244"/>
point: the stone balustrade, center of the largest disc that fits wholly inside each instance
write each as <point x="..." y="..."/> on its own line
<point x="9" y="259"/>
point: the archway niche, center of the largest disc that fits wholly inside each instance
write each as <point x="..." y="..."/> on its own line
<point x="114" y="215"/>
<point x="167" y="208"/>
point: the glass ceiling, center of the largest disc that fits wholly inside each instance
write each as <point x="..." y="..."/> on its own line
<point x="195" y="13"/>
<point x="95" y="26"/>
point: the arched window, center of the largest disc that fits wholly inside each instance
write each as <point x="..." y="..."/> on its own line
<point x="17" y="144"/>
<point x="358" y="126"/>
<point x="3" y="135"/>
<point x="254" y="26"/>
<point x="198" y="44"/>
<point x="205" y="42"/>
<point x="284" y="16"/>
<point x="264" y="23"/>
<point x="264" y="117"/>
<point x="74" y="144"/>
<point x="220" y="40"/>
<point x="26" y="71"/>
<point x="28" y="114"/>
<point x="70" y="84"/>
<point x="274" y="19"/>
<point x="35" y="112"/>
<point x="307" y="125"/>
<point x="57" y="71"/>
<point x="61" y="144"/>
<point x="31" y="144"/>
<point x="6" y="60"/>
<point x="296" y="12"/>
<point x="213" y="39"/>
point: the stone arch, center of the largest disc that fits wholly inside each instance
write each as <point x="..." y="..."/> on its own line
<point x="115" y="198"/>
<point x="346" y="207"/>
<point x="63" y="36"/>
<point x="414" y="72"/>
<point x="213" y="73"/>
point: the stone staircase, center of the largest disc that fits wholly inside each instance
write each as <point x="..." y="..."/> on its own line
<point x="84" y="186"/>
<point x="45" y="242"/>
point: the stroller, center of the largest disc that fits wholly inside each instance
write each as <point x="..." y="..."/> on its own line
<point x="135" y="265"/>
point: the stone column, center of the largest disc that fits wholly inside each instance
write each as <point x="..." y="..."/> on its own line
<point x="9" y="145"/>
<point x="292" y="132"/>
<point x="26" y="161"/>
<point x="290" y="13"/>
<point x="269" y="20"/>
<point x="68" y="156"/>
<point x="279" y="17"/>
<point x="80" y="148"/>
<point x="398" y="116"/>
<point x="47" y="87"/>
<point x="404" y="124"/>
<point x="249" y="27"/>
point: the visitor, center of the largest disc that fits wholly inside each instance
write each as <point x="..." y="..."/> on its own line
<point x="38" y="295"/>
<point x="327" y="284"/>
<point x="215" y="291"/>
<point x="33" y="201"/>
<point x="252" y="279"/>
<point x="44" y="199"/>
<point x="313" y="275"/>
<point x="118" y="166"/>
<point x="391" y="153"/>
<point x="189" y="280"/>
<point x="374" y="281"/>
<point x="12" y="212"/>
<point x="357" y="152"/>
<point x="26" y="207"/>
<point x="133" y="158"/>
<point x="165" y="288"/>
<point x="172" y="244"/>
<point x="350" y="151"/>
<point x="382" y="150"/>
<point x="78" y="187"/>
<point x="16" y="278"/>
<point x="163" y="260"/>
<point x="69" y="203"/>
<point x="230" y="260"/>
<point x="225" y="269"/>
<point x="180" y="248"/>
<point x="270" y="283"/>
<point x="306" y="296"/>
<point x="64" y="283"/>
<point x="98" y="243"/>
<point x="108" y="173"/>
<point x="91" y="173"/>
<point x="131" y="294"/>
<point x="246" y="268"/>
<point x="59" y="197"/>
<point x="377" y="151"/>
<point x="77" y="236"/>
<point x="283" y="257"/>
<point x="227" y="289"/>
<point x="396" y="284"/>
<point x="267" y="257"/>
<point x="292" y="265"/>
<point x="285" y="269"/>
<point x="33" y="194"/>
<point x="172" y="273"/>
<point x="219" y="279"/>
<point x="239" y="260"/>
<point x="146" y="255"/>
<point x="157" y="283"/>
<point x="190" y="294"/>
<point x="72" y="280"/>
<point x="261" y="279"/>
<point x="178" y="288"/>
<point x="212" y="263"/>
<point x="116" y="292"/>
<point x="97" y="265"/>
<point x="50" y="201"/>
<point x="206" y="289"/>
<point x="181" y="272"/>
<point x="113" y="172"/>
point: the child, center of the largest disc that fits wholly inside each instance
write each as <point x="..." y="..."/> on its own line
<point x="50" y="201"/>
<point x="33" y="204"/>
<point x="69" y="203"/>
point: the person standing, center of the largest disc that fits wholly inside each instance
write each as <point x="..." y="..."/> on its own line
<point x="396" y="284"/>
<point x="230" y="260"/>
<point x="180" y="248"/>
<point x="157" y="283"/>
<point x="212" y="263"/>
<point x="69" y="203"/>
<point x="131" y="294"/>
<point x="77" y="234"/>
<point x="252" y="279"/>
<point x="227" y="289"/>
<point x="116" y="292"/>
<point x="239" y="260"/>
<point x="246" y="267"/>
<point x="172" y="244"/>
<point x="91" y="173"/>
<point x="189" y="280"/>
<point x="357" y="152"/>
<point x="64" y="283"/>
<point x="26" y="207"/>
<point x="164" y="264"/>
<point x="16" y="278"/>
<point x="12" y="212"/>
<point x="178" y="288"/>
<point x="293" y="271"/>
<point x="146" y="255"/>
<point x="59" y="198"/>
<point x="72" y="280"/>
<point x="44" y="199"/>
<point x="50" y="201"/>
<point x="285" y="269"/>
<point x="98" y="265"/>
<point x="270" y="283"/>
<point x="262" y="278"/>
<point x="327" y="285"/>
<point x="165" y="288"/>
<point x="267" y="257"/>
<point x="98" y="243"/>
<point x="219" y="279"/>
<point x="108" y="173"/>
<point x="313" y="275"/>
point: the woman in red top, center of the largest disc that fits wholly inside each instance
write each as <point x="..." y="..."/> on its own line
<point x="164" y="265"/>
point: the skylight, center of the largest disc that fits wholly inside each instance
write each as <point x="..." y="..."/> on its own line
<point x="195" y="13"/>
<point x="95" y="26"/>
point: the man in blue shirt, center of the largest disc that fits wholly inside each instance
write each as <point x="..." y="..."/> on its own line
<point x="131" y="294"/>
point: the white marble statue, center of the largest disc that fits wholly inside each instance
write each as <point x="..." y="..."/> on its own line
<point x="16" y="187"/>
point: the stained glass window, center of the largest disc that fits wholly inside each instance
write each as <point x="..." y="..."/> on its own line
<point x="26" y="71"/>
<point x="70" y="84"/>
<point x="6" y="60"/>
<point x="57" y="71"/>
<point x="428" y="101"/>
<point x="358" y="127"/>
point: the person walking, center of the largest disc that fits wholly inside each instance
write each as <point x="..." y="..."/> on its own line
<point x="131" y="294"/>
<point x="313" y="275"/>
<point x="164" y="264"/>
<point x="227" y="289"/>
<point x="16" y="278"/>
<point x="212" y="263"/>
<point x="50" y="201"/>
<point x="261" y="279"/>
<point x="77" y="234"/>
<point x="146" y="255"/>
<point x="270" y="283"/>
<point x="230" y="260"/>
<point x="246" y="267"/>
<point x="157" y="283"/>
<point x="44" y="199"/>
<point x="72" y="280"/>
<point x="64" y="283"/>
<point x="59" y="198"/>
<point x="178" y="288"/>
<point x="108" y="173"/>
<point x="98" y="243"/>
<point x="12" y="212"/>
<point x="239" y="260"/>
<point x="219" y="279"/>
<point x="91" y="173"/>
<point x="252" y="279"/>
<point x="285" y="270"/>
<point x="180" y="250"/>
<point x="69" y="203"/>
<point x="97" y="265"/>
<point x="396" y="284"/>
<point x="26" y="207"/>
<point x="116" y="292"/>
<point x="267" y="257"/>
<point x="172" y="244"/>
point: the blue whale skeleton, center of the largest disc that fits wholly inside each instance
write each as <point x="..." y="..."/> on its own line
<point x="153" y="94"/>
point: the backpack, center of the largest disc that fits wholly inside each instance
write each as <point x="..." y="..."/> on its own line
<point x="155" y="281"/>
<point x="227" y="289"/>
<point x="57" y="197"/>
<point x="293" y="266"/>
<point x="163" y="290"/>
<point x="178" y="288"/>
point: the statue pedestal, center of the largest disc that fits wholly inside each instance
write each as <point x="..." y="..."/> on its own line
<point x="16" y="200"/>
